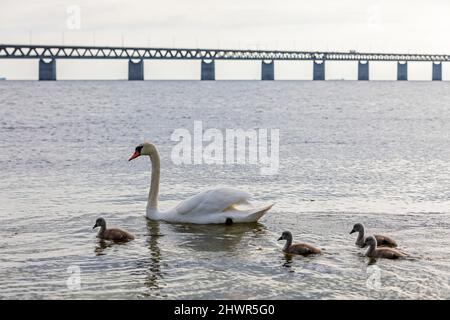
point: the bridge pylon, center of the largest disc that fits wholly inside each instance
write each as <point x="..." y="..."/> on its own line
<point x="402" y="71"/>
<point x="208" y="70"/>
<point x="135" y="70"/>
<point x="267" y="70"/>
<point x="437" y="71"/>
<point x="319" y="70"/>
<point x="363" y="70"/>
<point x="47" y="70"/>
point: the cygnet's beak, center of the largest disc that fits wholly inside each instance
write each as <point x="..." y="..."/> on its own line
<point x="353" y="230"/>
<point x="95" y="226"/>
<point x="280" y="238"/>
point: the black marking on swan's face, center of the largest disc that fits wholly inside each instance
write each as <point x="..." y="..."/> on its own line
<point x="139" y="148"/>
<point x="138" y="151"/>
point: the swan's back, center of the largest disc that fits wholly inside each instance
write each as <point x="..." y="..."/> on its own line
<point x="215" y="206"/>
<point x="212" y="201"/>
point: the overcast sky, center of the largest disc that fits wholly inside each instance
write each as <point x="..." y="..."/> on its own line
<point x="387" y="26"/>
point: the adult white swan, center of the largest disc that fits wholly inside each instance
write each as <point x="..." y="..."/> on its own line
<point x="212" y="206"/>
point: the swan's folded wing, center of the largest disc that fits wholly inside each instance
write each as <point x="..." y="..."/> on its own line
<point x="212" y="201"/>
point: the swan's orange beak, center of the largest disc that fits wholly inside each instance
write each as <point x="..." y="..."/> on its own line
<point x="134" y="156"/>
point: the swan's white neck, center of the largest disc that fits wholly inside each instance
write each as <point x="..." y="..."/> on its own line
<point x="152" y="202"/>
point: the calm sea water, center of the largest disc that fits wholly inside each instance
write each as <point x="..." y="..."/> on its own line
<point x="375" y="152"/>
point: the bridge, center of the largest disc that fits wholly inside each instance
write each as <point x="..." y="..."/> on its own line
<point x="48" y="54"/>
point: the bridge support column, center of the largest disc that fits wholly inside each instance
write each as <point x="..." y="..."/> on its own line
<point x="267" y="70"/>
<point x="208" y="70"/>
<point x="437" y="71"/>
<point x="363" y="70"/>
<point x="319" y="70"/>
<point x="47" y="70"/>
<point x="402" y="71"/>
<point x="135" y="70"/>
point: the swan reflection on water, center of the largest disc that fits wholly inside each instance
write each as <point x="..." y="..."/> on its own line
<point x="204" y="238"/>
<point x="216" y="238"/>
<point x="154" y="269"/>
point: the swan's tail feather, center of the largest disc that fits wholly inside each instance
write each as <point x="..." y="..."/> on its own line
<point x="255" y="216"/>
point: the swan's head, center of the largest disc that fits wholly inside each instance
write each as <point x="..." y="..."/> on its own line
<point x="144" y="149"/>
<point x="100" y="222"/>
<point x="286" y="235"/>
<point x="359" y="227"/>
<point x="370" y="241"/>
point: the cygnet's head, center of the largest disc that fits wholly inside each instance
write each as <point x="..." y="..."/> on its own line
<point x="370" y="241"/>
<point x="358" y="227"/>
<point x="286" y="235"/>
<point x="100" y="222"/>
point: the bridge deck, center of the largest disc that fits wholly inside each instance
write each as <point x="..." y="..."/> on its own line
<point x="12" y="51"/>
